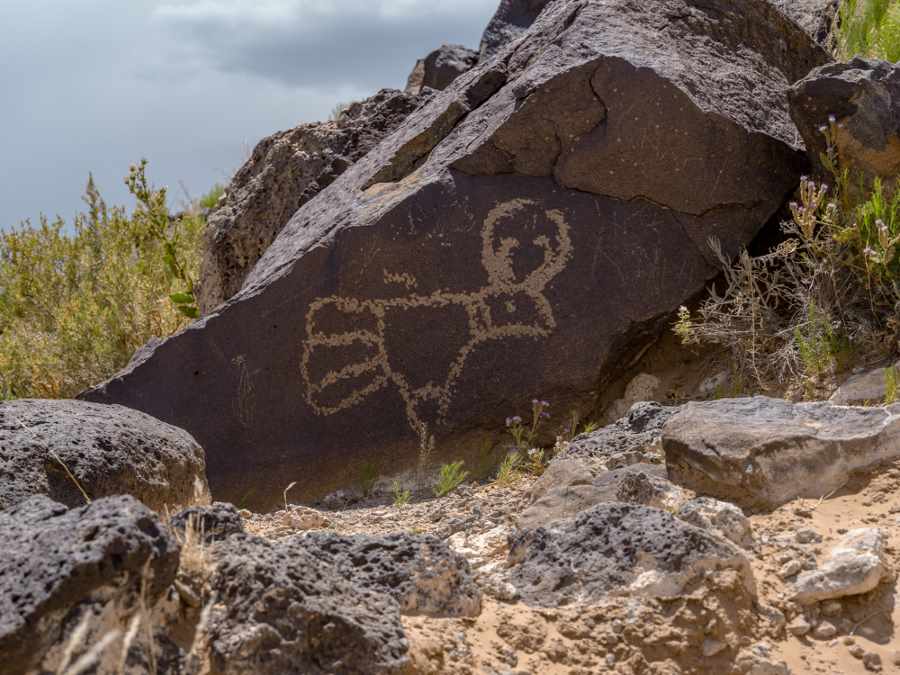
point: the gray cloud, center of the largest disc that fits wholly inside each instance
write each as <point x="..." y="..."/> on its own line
<point x="192" y="86"/>
<point x="358" y="43"/>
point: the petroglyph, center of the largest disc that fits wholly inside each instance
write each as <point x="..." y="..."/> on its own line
<point x="245" y="403"/>
<point x="492" y="312"/>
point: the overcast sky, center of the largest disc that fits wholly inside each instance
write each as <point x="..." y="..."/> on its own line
<point x="192" y="85"/>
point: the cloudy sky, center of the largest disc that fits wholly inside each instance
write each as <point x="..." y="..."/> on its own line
<point x="94" y="85"/>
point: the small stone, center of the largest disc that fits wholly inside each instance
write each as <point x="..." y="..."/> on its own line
<point x="856" y="565"/>
<point x="790" y="569"/>
<point x="872" y="661"/>
<point x="848" y="640"/>
<point x="824" y="631"/>
<point x="832" y="608"/>
<point x="712" y="647"/>
<point x="799" y="626"/>
<point x="807" y="536"/>
<point x="856" y="651"/>
<point x="896" y="657"/>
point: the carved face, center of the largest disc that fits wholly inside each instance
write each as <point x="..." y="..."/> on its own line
<point x="524" y="246"/>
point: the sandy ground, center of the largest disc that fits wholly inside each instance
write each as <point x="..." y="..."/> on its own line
<point x="700" y="633"/>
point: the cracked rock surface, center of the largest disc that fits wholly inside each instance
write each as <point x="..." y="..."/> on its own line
<point x="544" y="188"/>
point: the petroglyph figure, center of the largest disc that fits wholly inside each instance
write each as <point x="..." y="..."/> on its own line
<point x="509" y="306"/>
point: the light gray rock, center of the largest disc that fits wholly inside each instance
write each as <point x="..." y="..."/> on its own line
<point x="109" y="450"/>
<point x="54" y="561"/>
<point x="617" y="549"/>
<point x="865" y="388"/>
<point x="856" y="565"/>
<point x="759" y="660"/>
<point x="562" y="473"/>
<point x="760" y="453"/>
<point x="642" y="387"/>
<point x="721" y="518"/>
<point x="644" y="484"/>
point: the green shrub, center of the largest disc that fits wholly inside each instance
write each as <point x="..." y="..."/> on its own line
<point x="870" y="28"/>
<point x="450" y="478"/>
<point x="830" y="292"/>
<point x="510" y="469"/>
<point x="76" y="302"/>
<point x="401" y="495"/>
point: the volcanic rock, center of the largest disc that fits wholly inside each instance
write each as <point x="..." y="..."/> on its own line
<point x="458" y="270"/>
<point x="858" y="105"/>
<point x="761" y="452"/>
<point x="510" y="21"/>
<point x="211" y="523"/>
<point x="53" y="447"/>
<point x="615" y="549"/>
<point x="440" y="68"/>
<point x="285" y="171"/>
<point x="54" y="560"/>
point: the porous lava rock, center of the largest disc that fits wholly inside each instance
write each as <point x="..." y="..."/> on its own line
<point x="211" y="523"/>
<point x="54" y="561"/>
<point x="281" y="610"/>
<point x="440" y="68"/>
<point x="53" y="447"/>
<point x="760" y="452"/>
<point x="618" y="548"/>
<point x="520" y="236"/>
<point x="420" y="572"/>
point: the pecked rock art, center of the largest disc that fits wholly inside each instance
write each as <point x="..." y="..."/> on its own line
<point x="506" y="293"/>
<point x="523" y="234"/>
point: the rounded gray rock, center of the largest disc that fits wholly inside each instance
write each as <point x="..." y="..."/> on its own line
<point x="108" y="450"/>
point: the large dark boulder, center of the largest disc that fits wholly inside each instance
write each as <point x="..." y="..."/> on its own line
<point x="762" y="452"/>
<point x="440" y="68"/>
<point x="859" y="104"/>
<point x="53" y="447"/>
<point x="510" y="21"/>
<point x="55" y="563"/>
<point x="285" y="171"/>
<point x="522" y="235"/>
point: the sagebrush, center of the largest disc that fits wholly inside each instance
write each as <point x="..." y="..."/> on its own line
<point x="76" y="301"/>
<point x="826" y="297"/>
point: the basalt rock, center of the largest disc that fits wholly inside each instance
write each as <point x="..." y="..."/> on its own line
<point x="440" y="68"/>
<point x="284" y="172"/>
<point x="211" y="523"/>
<point x="761" y="453"/>
<point x="510" y="21"/>
<point x="59" y="448"/>
<point x="615" y="549"/>
<point x="54" y="562"/>
<point x="816" y="17"/>
<point x="281" y="610"/>
<point x="521" y="235"/>
<point x="421" y="573"/>
<point x="858" y="104"/>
